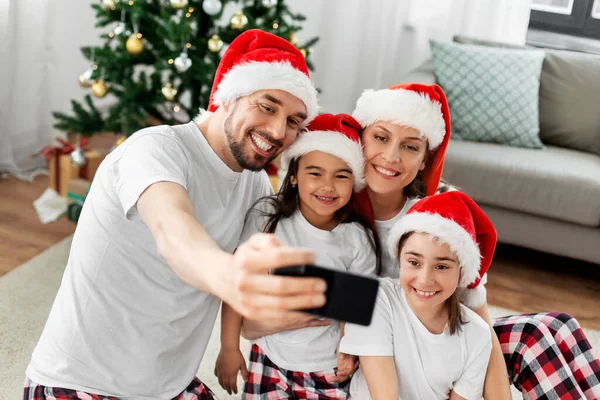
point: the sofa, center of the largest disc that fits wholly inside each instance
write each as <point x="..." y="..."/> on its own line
<point x="544" y="199"/>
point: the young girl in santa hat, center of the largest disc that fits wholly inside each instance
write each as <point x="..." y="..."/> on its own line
<point x="422" y="342"/>
<point x="312" y="210"/>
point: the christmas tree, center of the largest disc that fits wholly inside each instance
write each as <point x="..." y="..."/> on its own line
<point x="160" y="56"/>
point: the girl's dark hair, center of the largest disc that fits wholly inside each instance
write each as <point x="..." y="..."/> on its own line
<point x="285" y="202"/>
<point x="455" y="315"/>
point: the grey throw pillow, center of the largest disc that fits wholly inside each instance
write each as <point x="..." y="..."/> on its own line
<point x="570" y="100"/>
<point x="493" y="93"/>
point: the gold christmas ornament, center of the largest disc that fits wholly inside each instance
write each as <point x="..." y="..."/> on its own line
<point x="134" y="44"/>
<point x="169" y="92"/>
<point x="99" y="89"/>
<point x="110" y="4"/>
<point x="303" y="51"/>
<point x="179" y="4"/>
<point x="85" y="79"/>
<point x="293" y="39"/>
<point x="215" y="44"/>
<point x="238" y="21"/>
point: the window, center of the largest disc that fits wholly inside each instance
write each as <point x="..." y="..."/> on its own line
<point x="573" y="17"/>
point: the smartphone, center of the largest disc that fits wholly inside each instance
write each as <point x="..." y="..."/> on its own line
<point x="350" y="297"/>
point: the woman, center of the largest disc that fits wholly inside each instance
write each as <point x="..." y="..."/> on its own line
<point x="406" y="130"/>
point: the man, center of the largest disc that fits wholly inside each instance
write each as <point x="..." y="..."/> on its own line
<point x="151" y="256"/>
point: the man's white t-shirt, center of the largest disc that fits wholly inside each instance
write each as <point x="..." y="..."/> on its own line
<point x="428" y="365"/>
<point x="345" y="248"/>
<point x="123" y="324"/>
<point x="390" y="268"/>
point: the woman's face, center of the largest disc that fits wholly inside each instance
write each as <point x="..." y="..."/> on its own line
<point x="394" y="155"/>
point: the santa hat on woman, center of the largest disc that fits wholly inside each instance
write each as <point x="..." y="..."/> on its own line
<point x="338" y="135"/>
<point x="258" y="60"/>
<point x="455" y="219"/>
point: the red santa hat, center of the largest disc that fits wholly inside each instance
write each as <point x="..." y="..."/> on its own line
<point x="455" y="219"/>
<point x="338" y="135"/>
<point x="258" y="60"/>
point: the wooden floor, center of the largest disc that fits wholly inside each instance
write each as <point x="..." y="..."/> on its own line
<point x="519" y="279"/>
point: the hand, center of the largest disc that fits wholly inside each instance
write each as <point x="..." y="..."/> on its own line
<point x="248" y="288"/>
<point x="347" y="364"/>
<point x="229" y="362"/>
<point x="252" y="329"/>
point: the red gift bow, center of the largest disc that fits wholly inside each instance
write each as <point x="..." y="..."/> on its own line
<point x="54" y="150"/>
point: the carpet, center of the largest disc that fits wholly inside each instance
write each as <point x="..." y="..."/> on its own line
<point x="26" y="295"/>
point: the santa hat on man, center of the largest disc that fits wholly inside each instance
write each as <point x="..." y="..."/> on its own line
<point x="338" y="135"/>
<point x="455" y="219"/>
<point x="258" y="60"/>
<point x="415" y="105"/>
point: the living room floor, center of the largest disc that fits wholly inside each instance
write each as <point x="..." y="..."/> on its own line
<point x="519" y="279"/>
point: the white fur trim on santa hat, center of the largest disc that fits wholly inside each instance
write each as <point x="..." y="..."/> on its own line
<point x="447" y="231"/>
<point x="403" y="107"/>
<point x="247" y="78"/>
<point x="473" y="298"/>
<point x="330" y="142"/>
<point x="202" y="116"/>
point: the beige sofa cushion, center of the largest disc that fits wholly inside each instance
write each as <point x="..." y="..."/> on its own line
<point x="555" y="182"/>
<point x="570" y="100"/>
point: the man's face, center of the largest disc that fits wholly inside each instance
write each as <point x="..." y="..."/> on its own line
<point x="260" y="126"/>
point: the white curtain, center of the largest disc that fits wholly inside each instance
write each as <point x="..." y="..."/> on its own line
<point x="41" y="61"/>
<point x="364" y="44"/>
<point x="373" y="44"/>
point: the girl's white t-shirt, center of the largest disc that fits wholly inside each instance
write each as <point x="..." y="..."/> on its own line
<point x="389" y="264"/>
<point x="345" y="248"/>
<point x="428" y="365"/>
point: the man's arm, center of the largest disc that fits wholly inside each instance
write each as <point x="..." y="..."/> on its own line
<point x="253" y="329"/>
<point x="380" y="374"/>
<point x="496" y="384"/>
<point x="242" y="279"/>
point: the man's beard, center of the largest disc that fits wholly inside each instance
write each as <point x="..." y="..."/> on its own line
<point x="252" y="162"/>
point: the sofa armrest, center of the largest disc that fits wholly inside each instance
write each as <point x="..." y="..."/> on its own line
<point x="422" y="74"/>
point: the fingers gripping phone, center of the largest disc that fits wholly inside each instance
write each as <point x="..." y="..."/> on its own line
<point x="350" y="297"/>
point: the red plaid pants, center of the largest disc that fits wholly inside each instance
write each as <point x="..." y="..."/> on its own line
<point x="549" y="357"/>
<point x="267" y="381"/>
<point x="196" y="390"/>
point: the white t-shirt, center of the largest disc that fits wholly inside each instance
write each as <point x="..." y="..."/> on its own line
<point x="428" y="365"/>
<point x="345" y="248"/>
<point x="123" y="324"/>
<point x="390" y="268"/>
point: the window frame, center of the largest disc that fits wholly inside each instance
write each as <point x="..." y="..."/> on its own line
<point x="579" y="23"/>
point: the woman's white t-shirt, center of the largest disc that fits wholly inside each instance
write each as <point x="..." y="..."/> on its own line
<point x="428" y="365"/>
<point x="389" y="264"/>
<point x="345" y="248"/>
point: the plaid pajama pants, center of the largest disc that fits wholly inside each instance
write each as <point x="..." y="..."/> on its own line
<point x="549" y="357"/>
<point x="196" y="390"/>
<point x="267" y="381"/>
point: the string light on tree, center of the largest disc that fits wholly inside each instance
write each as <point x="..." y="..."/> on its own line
<point x="110" y="4"/>
<point x="99" y="89"/>
<point x="215" y="44"/>
<point x="212" y="7"/>
<point x="169" y="92"/>
<point x="238" y="21"/>
<point x="179" y="4"/>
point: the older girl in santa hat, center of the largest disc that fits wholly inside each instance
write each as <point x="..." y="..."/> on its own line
<point x="423" y="344"/>
<point x="406" y="130"/>
<point x="312" y="210"/>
